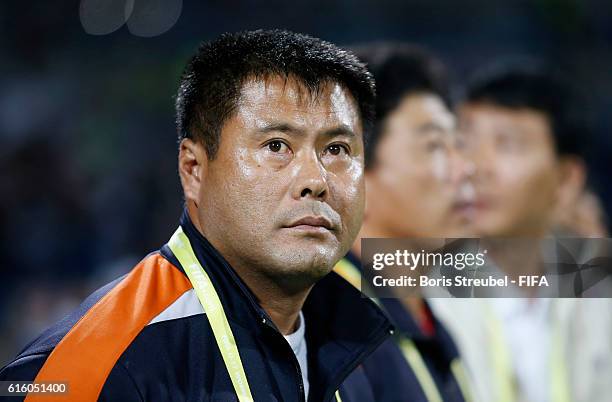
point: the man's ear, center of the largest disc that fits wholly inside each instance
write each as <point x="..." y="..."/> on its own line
<point x="192" y="167"/>
<point x="572" y="180"/>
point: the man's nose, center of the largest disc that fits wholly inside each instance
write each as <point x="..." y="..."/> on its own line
<point x="477" y="160"/>
<point x="463" y="167"/>
<point x="311" y="178"/>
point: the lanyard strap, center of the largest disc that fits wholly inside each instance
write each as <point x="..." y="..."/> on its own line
<point x="205" y="290"/>
<point x="461" y="376"/>
<point x="500" y="358"/>
<point x="349" y="272"/>
<point x="181" y="247"/>
<point x="559" y="381"/>
<point x="411" y="353"/>
<point x="502" y="362"/>
<point x="414" y="358"/>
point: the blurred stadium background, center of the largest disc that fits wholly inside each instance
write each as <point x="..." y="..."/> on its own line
<point x="87" y="138"/>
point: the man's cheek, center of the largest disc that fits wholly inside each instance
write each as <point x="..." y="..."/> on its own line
<point x="347" y="184"/>
<point x="256" y="179"/>
<point x="345" y="198"/>
<point x="354" y="199"/>
<point x="355" y="210"/>
<point x="522" y="178"/>
<point x="253" y="165"/>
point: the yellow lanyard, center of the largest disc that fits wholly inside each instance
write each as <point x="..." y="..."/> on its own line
<point x="502" y="362"/>
<point x="181" y="247"/>
<point x="205" y="290"/>
<point x="411" y="353"/>
<point x="349" y="272"/>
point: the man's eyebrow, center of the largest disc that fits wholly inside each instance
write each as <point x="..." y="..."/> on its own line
<point x="280" y="127"/>
<point x="342" y="129"/>
<point x="431" y="127"/>
<point x="287" y="128"/>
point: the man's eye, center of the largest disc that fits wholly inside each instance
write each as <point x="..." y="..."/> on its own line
<point x="336" y="149"/>
<point x="508" y="143"/>
<point x="276" y="146"/>
<point x="435" y="145"/>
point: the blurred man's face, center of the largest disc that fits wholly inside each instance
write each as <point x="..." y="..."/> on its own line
<point x="414" y="182"/>
<point x="285" y="192"/>
<point x="517" y="169"/>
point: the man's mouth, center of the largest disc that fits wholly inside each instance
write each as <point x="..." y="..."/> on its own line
<point x="316" y="224"/>
<point x="470" y="208"/>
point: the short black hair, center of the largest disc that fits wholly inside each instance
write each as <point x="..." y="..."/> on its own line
<point x="212" y="80"/>
<point x="541" y="88"/>
<point x="400" y="70"/>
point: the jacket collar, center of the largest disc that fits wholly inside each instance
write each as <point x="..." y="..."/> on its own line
<point x="342" y="327"/>
<point x="407" y="326"/>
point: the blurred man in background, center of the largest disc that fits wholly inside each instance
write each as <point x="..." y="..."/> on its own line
<point x="414" y="177"/>
<point x="524" y="133"/>
<point x="523" y="129"/>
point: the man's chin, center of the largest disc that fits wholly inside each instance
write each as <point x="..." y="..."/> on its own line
<point x="296" y="276"/>
<point x="306" y="259"/>
<point x="493" y="228"/>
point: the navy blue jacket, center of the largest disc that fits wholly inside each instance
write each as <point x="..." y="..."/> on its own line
<point x="398" y="383"/>
<point x="144" y="337"/>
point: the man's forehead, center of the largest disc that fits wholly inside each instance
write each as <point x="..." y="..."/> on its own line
<point x="276" y="97"/>
<point x="500" y="112"/>
<point x="488" y="121"/>
<point x="424" y="112"/>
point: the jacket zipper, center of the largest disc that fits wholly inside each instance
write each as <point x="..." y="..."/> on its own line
<point x="296" y="364"/>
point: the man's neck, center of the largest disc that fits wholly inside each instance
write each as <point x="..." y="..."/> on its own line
<point x="519" y="257"/>
<point x="284" y="310"/>
<point x="282" y="304"/>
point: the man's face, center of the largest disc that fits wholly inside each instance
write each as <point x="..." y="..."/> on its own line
<point x="417" y="171"/>
<point x="516" y="178"/>
<point x="285" y="192"/>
